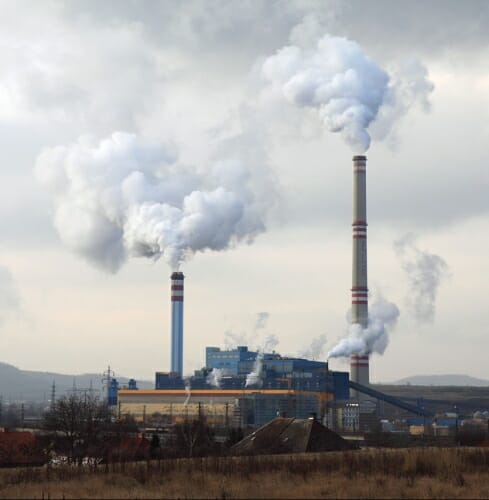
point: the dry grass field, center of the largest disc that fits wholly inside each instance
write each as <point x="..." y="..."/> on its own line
<point x="411" y="473"/>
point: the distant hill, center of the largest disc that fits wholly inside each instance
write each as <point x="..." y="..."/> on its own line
<point x="25" y="385"/>
<point x="453" y="380"/>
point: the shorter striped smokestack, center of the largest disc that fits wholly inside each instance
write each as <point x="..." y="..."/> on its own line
<point x="177" y="323"/>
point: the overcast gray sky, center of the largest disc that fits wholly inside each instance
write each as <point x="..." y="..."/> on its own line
<point x="178" y="91"/>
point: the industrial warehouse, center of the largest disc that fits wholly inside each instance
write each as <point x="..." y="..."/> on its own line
<point x="243" y="388"/>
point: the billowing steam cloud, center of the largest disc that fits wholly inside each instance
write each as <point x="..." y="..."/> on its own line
<point x="254" y="378"/>
<point x="344" y="85"/>
<point x="425" y="272"/>
<point x="125" y="197"/>
<point x="316" y="348"/>
<point x="373" y="339"/>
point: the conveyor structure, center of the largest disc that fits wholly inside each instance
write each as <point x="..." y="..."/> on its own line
<point x="417" y="410"/>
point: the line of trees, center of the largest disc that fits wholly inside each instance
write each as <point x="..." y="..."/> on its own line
<point x="80" y="426"/>
<point x="77" y="425"/>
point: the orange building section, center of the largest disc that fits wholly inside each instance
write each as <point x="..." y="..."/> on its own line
<point x="220" y="406"/>
<point x="212" y="393"/>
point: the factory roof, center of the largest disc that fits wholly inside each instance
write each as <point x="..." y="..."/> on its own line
<point x="291" y="435"/>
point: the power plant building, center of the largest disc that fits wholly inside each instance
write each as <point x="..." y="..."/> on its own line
<point x="240" y="387"/>
<point x="241" y="361"/>
<point x="223" y="393"/>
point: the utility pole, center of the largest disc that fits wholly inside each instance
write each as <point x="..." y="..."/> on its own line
<point x="74" y="390"/>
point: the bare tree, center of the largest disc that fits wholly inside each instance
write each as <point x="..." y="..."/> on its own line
<point x="77" y="422"/>
<point x="193" y="438"/>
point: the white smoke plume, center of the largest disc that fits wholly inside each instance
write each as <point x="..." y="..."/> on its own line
<point x="254" y="378"/>
<point x="410" y="87"/>
<point x="315" y="349"/>
<point x="425" y="272"/>
<point x="125" y="197"/>
<point x="233" y="339"/>
<point x="373" y="339"/>
<point x="270" y="343"/>
<point x="344" y="85"/>
<point x="214" y="377"/>
<point x="261" y="320"/>
<point x="188" y="388"/>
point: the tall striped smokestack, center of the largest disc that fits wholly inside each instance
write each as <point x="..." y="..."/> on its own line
<point x="177" y="323"/>
<point x="359" y="364"/>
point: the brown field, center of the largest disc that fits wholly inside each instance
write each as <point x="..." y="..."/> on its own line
<point x="376" y="473"/>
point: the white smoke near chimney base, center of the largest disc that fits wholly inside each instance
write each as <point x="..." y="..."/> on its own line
<point x="345" y="86"/>
<point x="383" y="317"/>
<point x="425" y="272"/>
<point x="125" y="197"/>
<point x="214" y="377"/>
<point x="315" y="349"/>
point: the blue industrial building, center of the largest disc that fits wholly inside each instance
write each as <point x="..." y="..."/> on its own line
<point x="232" y="367"/>
<point x="240" y="361"/>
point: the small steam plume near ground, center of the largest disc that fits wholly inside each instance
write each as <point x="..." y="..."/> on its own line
<point x="425" y="272"/>
<point x="188" y="388"/>
<point x="123" y="196"/>
<point x="383" y="317"/>
<point x="214" y="377"/>
<point x="316" y="348"/>
<point x="348" y="90"/>
<point x="254" y="378"/>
